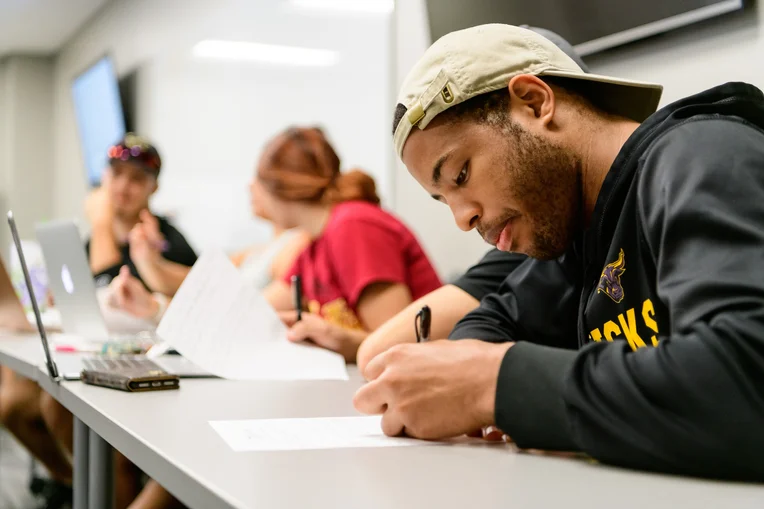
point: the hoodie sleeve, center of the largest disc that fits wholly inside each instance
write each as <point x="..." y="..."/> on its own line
<point x="694" y="404"/>
<point x="536" y="302"/>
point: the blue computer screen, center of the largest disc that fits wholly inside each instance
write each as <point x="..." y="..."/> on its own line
<point x="100" y="119"/>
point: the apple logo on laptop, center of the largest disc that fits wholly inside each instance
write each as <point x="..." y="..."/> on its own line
<point x="66" y="279"/>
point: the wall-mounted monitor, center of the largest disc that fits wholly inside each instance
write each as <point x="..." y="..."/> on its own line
<point x="590" y="25"/>
<point x="100" y="119"/>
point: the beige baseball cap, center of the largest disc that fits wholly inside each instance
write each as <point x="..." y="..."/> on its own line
<point x="467" y="63"/>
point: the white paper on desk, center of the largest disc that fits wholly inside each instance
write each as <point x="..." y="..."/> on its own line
<point x="308" y="433"/>
<point x="227" y="328"/>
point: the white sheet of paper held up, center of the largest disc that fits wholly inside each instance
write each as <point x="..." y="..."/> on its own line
<point x="308" y="433"/>
<point x="226" y="327"/>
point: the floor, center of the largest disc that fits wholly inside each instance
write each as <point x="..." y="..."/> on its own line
<point x="14" y="475"/>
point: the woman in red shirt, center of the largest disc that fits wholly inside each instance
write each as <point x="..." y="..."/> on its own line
<point x="362" y="266"/>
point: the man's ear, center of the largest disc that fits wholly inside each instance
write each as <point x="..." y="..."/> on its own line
<point x="155" y="187"/>
<point x="531" y="99"/>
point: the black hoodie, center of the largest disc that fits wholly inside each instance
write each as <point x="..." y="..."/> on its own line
<point x="643" y="346"/>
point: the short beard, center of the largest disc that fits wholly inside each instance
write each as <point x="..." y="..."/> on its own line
<point x="546" y="179"/>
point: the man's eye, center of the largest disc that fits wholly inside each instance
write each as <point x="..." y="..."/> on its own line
<point x="463" y="175"/>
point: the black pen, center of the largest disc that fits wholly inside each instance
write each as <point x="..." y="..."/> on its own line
<point x="297" y="292"/>
<point x="422" y="324"/>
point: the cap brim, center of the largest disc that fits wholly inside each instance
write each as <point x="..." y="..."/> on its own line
<point x="636" y="100"/>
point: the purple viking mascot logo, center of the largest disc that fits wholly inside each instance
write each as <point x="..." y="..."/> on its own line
<point x="610" y="280"/>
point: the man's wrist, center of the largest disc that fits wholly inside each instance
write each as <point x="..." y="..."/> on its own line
<point x="150" y="267"/>
<point x="152" y="261"/>
<point x="492" y="364"/>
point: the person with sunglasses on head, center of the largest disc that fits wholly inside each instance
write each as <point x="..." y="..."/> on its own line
<point x="124" y="232"/>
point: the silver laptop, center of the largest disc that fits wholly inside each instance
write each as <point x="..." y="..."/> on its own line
<point x="71" y="281"/>
<point x="69" y="366"/>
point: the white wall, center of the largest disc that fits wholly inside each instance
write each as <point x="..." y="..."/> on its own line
<point x="210" y="119"/>
<point x="26" y="151"/>
<point x="4" y="154"/>
<point x="4" y="119"/>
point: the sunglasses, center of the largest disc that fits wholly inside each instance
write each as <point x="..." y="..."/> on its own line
<point x="134" y="148"/>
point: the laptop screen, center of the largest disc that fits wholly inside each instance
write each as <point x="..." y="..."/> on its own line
<point x="52" y="369"/>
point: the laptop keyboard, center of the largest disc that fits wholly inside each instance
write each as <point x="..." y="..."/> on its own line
<point x="117" y="363"/>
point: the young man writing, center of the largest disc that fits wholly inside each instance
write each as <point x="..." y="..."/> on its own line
<point x="451" y="302"/>
<point x="658" y="220"/>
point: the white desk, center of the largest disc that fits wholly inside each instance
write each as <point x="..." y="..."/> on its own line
<point x="167" y="435"/>
<point x="22" y="353"/>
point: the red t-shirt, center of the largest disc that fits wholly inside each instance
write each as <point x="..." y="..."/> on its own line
<point x="360" y="245"/>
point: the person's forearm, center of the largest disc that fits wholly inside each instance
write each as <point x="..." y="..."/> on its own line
<point x="163" y="276"/>
<point x="104" y="251"/>
<point x="352" y="340"/>
<point x="448" y="303"/>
